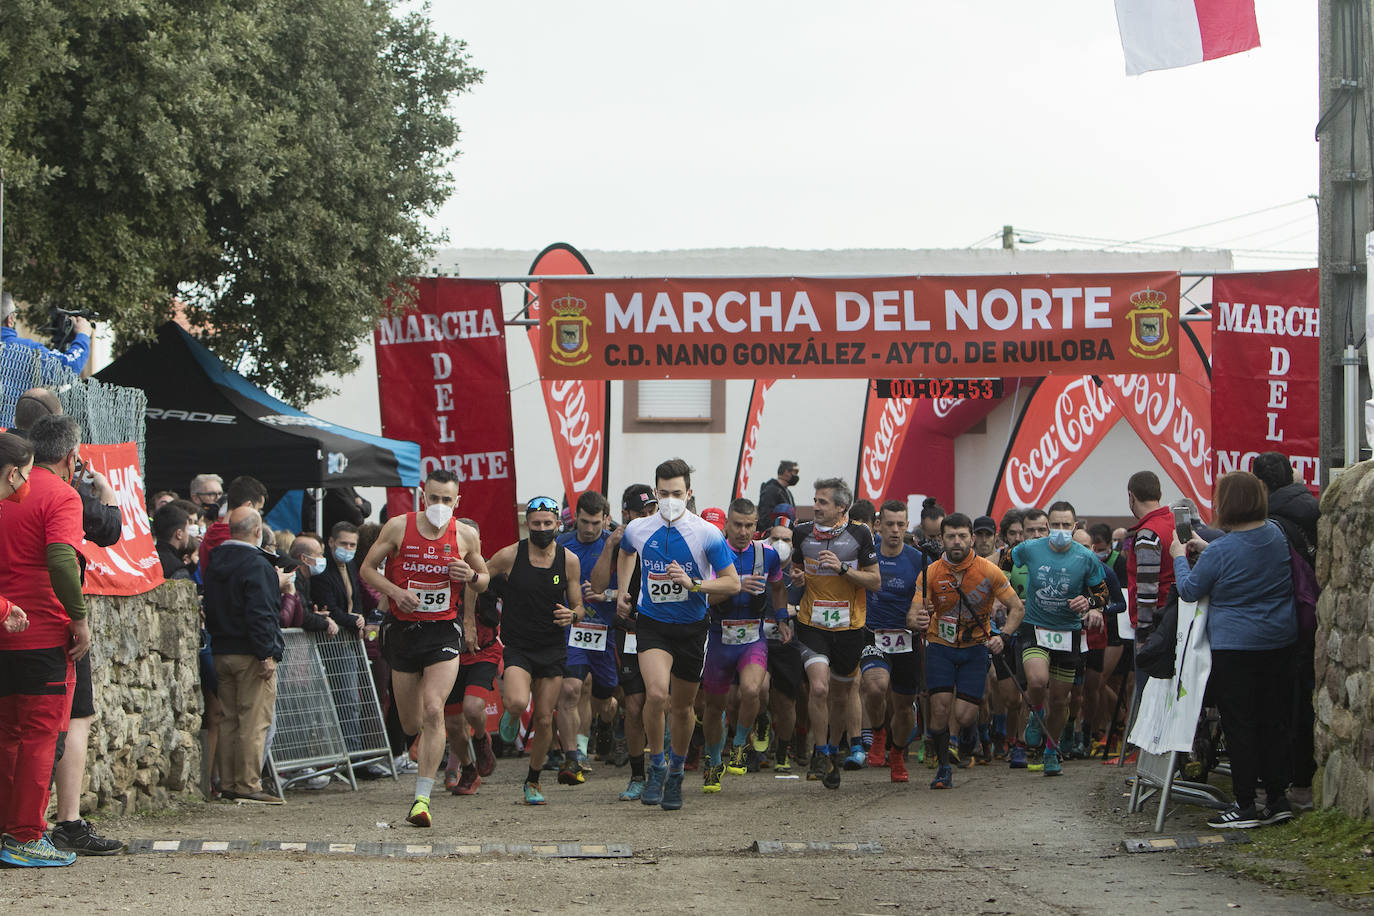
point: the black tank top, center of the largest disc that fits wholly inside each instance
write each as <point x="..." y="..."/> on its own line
<point x="531" y="593"/>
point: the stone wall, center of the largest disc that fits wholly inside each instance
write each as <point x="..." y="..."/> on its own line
<point x="145" y="739"/>
<point x="1344" y="697"/>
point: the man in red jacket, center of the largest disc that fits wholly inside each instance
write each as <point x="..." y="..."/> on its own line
<point x="243" y="491"/>
<point x="1149" y="575"/>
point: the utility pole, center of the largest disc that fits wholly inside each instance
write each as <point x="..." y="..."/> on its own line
<point x="1008" y="238"/>
<point x="1346" y="216"/>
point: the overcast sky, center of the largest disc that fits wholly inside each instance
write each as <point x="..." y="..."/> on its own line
<point x="908" y="124"/>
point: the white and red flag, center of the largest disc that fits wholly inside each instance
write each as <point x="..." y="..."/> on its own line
<point x="1160" y="34"/>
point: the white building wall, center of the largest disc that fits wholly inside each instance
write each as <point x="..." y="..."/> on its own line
<point x="815" y="422"/>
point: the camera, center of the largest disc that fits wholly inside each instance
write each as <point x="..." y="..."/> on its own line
<point x="61" y="329"/>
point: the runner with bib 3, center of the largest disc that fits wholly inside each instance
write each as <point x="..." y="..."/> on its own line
<point x="736" y="646"/>
<point x="836" y="561"/>
<point x="892" y="661"/>
<point x="1065" y="589"/>
<point x="955" y="600"/>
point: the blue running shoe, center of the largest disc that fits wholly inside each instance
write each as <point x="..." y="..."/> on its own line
<point x="1035" y="735"/>
<point x="944" y="778"/>
<point x="633" y="791"/>
<point x="508" y="728"/>
<point x="1052" y="767"/>
<point x="1016" y="757"/>
<point x="857" y="759"/>
<point x="652" y="793"/>
<point x="672" y="792"/>
<point x="37" y="853"/>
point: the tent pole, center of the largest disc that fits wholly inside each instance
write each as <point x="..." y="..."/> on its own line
<point x="319" y="511"/>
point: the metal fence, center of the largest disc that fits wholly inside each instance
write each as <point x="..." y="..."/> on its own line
<point x="307" y="729"/>
<point x="355" y="698"/>
<point x="108" y="414"/>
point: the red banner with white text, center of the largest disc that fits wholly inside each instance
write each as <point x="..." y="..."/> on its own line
<point x="748" y="447"/>
<point x="130" y="566"/>
<point x="578" y="410"/>
<point x="791" y="327"/>
<point x="1064" y="419"/>
<point x="1172" y="415"/>
<point x="442" y="382"/>
<point x="1266" y="351"/>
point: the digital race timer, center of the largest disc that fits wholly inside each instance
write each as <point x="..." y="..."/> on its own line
<point x="970" y="388"/>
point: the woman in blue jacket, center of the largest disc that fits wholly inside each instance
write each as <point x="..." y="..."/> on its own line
<point x="1253" y="628"/>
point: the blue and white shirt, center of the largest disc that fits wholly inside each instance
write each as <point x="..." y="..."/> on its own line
<point x="694" y="544"/>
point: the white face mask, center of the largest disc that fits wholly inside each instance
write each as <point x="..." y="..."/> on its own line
<point x="783" y="548"/>
<point x="317" y="566"/>
<point x="671" y="509"/>
<point x="438" y="514"/>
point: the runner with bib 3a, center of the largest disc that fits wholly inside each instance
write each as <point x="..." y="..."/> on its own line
<point x="1065" y="589"/>
<point x="736" y="646"/>
<point x="540" y="575"/>
<point x="891" y="662"/>
<point x="836" y="560"/>
<point x="677" y="550"/>
<point x="955" y="600"/>
<point x="429" y="557"/>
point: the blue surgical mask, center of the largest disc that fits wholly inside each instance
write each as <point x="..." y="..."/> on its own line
<point x="317" y="566"/>
<point x="1061" y="538"/>
<point x="344" y="556"/>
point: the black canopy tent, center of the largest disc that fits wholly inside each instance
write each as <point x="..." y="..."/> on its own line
<point x="204" y="418"/>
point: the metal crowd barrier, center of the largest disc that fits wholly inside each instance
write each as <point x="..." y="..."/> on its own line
<point x="356" y="703"/>
<point x="307" y="732"/>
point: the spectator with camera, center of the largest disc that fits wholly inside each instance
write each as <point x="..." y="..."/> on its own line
<point x="72" y="355"/>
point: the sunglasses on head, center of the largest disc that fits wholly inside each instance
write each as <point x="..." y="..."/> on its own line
<point x="542" y="504"/>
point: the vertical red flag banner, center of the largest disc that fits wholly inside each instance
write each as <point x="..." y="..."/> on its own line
<point x="1265" y="373"/>
<point x="1064" y="419"/>
<point x="748" y="445"/>
<point x="884" y="429"/>
<point x="131" y="565"/>
<point x="442" y="382"/>
<point x="1172" y="415"/>
<point x="578" y="409"/>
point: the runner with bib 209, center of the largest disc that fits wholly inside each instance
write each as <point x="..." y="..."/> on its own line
<point x="677" y="550"/>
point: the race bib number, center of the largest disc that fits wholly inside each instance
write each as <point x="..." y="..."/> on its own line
<point x="739" y="632"/>
<point x="435" y="598"/>
<point x="947" y="628"/>
<point x="663" y="590"/>
<point x="771" y="631"/>
<point x="1054" y="640"/>
<point x="631" y="645"/>
<point x="892" y="642"/>
<point x="588" y="636"/>
<point x="1123" y="625"/>
<point x="831" y="615"/>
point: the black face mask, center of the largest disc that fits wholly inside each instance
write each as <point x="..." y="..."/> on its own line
<point x="543" y="538"/>
<point x="793" y="479"/>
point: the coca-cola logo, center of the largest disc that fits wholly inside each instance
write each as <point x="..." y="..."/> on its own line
<point x="943" y="407"/>
<point x="751" y="436"/>
<point x="580" y="433"/>
<point x="881" y="446"/>
<point x="1082" y="414"/>
<point x="1167" y="425"/>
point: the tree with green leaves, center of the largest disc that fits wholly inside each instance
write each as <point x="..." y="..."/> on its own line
<point x="269" y="163"/>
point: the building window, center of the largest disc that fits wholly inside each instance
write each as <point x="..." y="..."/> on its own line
<point x="674" y="405"/>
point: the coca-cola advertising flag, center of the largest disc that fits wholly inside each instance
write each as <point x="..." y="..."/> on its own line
<point x="442" y="382"/>
<point x="885" y="425"/>
<point x="130" y="566"/>
<point x="748" y="446"/>
<point x="1266" y="351"/>
<point x="1063" y="420"/>
<point x="1172" y="415"/>
<point x="578" y="409"/>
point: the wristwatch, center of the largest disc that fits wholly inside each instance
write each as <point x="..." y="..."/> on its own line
<point x="844" y="568"/>
<point x="696" y="585"/>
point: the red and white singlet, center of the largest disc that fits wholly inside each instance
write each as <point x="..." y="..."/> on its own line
<point x="420" y="566"/>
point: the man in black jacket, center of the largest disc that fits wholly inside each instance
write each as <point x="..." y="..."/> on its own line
<point x="777" y="491"/>
<point x="170" y="527"/>
<point x="242" y="604"/>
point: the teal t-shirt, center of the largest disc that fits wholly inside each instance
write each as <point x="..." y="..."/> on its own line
<point x="1053" y="578"/>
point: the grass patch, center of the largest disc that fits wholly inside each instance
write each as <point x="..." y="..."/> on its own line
<point x="1320" y="849"/>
